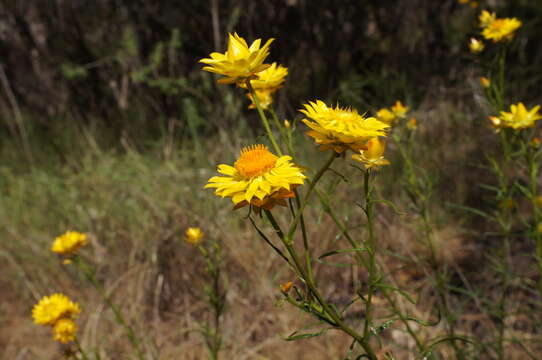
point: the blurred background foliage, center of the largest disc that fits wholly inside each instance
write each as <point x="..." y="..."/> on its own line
<point x="129" y="70"/>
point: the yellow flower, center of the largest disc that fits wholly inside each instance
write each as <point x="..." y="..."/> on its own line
<point x="399" y="109"/>
<point x="52" y="308"/>
<point x="519" y="117"/>
<point x="193" y="235"/>
<point x="339" y="128"/>
<point x="535" y="142"/>
<point x="486" y="18"/>
<point x="265" y="97"/>
<point x="65" y="330"/>
<point x="386" y="116"/>
<point x="501" y="29"/>
<point x="463" y="1"/>
<point x="287" y="124"/>
<point x="373" y="157"/>
<point x="496" y="123"/>
<point x="473" y="4"/>
<point x="69" y="243"/>
<point x="271" y="78"/>
<point x="285" y="288"/>
<point x="412" y="124"/>
<point x="475" y="45"/>
<point x="258" y="177"/>
<point x="485" y="82"/>
<point x="239" y="62"/>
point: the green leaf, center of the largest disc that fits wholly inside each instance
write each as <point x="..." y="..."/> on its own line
<point x="295" y="336"/>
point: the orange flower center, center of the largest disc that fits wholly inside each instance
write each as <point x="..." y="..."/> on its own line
<point x="255" y="160"/>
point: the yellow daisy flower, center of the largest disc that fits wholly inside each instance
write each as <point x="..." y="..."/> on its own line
<point x="385" y="115"/>
<point x="52" y="308"/>
<point x="339" y="128"/>
<point x="193" y="235"/>
<point x="65" y="330"/>
<point x="476" y="46"/>
<point x="485" y="18"/>
<point x="501" y="29"/>
<point x="239" y="62"/>
<point x="69" y="243"/>
<point x="373" y="156"/>
<point x="258" y="178"/>
<point x="519" y="117"/>
<point x="412" y="124"/>
<point x="399" y="109"/>
<point x="271" y="78"/>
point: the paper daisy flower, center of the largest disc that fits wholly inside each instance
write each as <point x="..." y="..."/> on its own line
<point x="501" y="29"/>
<point x="69" y="243"/>
<point x="386" y="115"/>
<point x="52" y="308"/>
<point x="240" y="62"/>
<point x="258" y="178"/>
<point x="476" y="46"/>
<point x="485" y="18"/>
<point x="193" y="235"/>
<point x="399" y="109"/>
<point x="339" y="128"/>
<point x="271" y="78"/>
<point x="373" y="156"/>
<point x="64" y="331"/>
<point x="519" y="117"/>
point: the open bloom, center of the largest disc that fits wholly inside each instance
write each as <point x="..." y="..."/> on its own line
<point x="399" y="109"/>
<point x="193" y="235"/>
<point x="475" y="45"/>
<point x="52" y="308"/>
<point x="519" y="117"/>
<point x="258" y="177"/>
<point x="373" y="156"/>
<point x="339" y="128"/>
<point x="240" y="62"/>
<point x="69" y="243"/>
<point x="501" y="29"/>
<point x="265" y="97"/>
<point x="65" y="330"/>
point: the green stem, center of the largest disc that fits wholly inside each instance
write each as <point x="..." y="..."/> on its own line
<point x="89" y="274"/>
<point x="329" y="310"/>
<point x="305" y="200"/>
<point x="370" y="246"/>
<point x="264" y="119"/>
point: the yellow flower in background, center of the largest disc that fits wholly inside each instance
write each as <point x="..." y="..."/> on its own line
<point x="496" y="123"/>
<point x="386" y="116"/>
<point x="69" y="243"/>
<point x="52" y="308"/>
<point x="339" y="128"/>
<point x="258" y="178"/>
<point x="265" y="97"/>
<point x="519" y="117"/>
<point x="473" y="4"/>
<point x="193" y="235"/>
<point x="271" y="78"/>
<point x="412" y="124"/>
<point x="373" y="157"/>
<point x="485" y="82"/>
<point x="239" y="62"/>
<point x="463" y="1"/>
<point x="475" y="45"/>
<point x="486" y="18"/>
<point x="501" y="29"/>
<point x="65" y="330"/>
<point x="399" y="109"/>
<point x="535" y="142"/>
<point x="285" y="288"/>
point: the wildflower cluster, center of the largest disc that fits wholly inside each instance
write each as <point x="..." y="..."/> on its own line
<point x="518" y="118"/>
<point x="69" y="243"/>
<point x="59" y="312"/>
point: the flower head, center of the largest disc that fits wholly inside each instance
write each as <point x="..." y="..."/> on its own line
<point x="399" y="109"/>
<point x="412" y="124"/>
<point x="519" y="117"/>
<point x="271" y="78"/>
<point x="340" y="128"/>
<point x="258" y="178"/>
<point x="485" y="82"/>
<point x="240" y="62"/>
<point x="193" y="235"/>
<point x="69" y="243"/>
<point x="52" y="308"/>
<point x="475" y="45"/>
<point x="285" y="288"/>
<point x="373" y="156"/>
<point x="65" y="330"/>
<point x="501" y="29"/>
<point x="265" y="97"/>
<point x="386" y="115"/>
